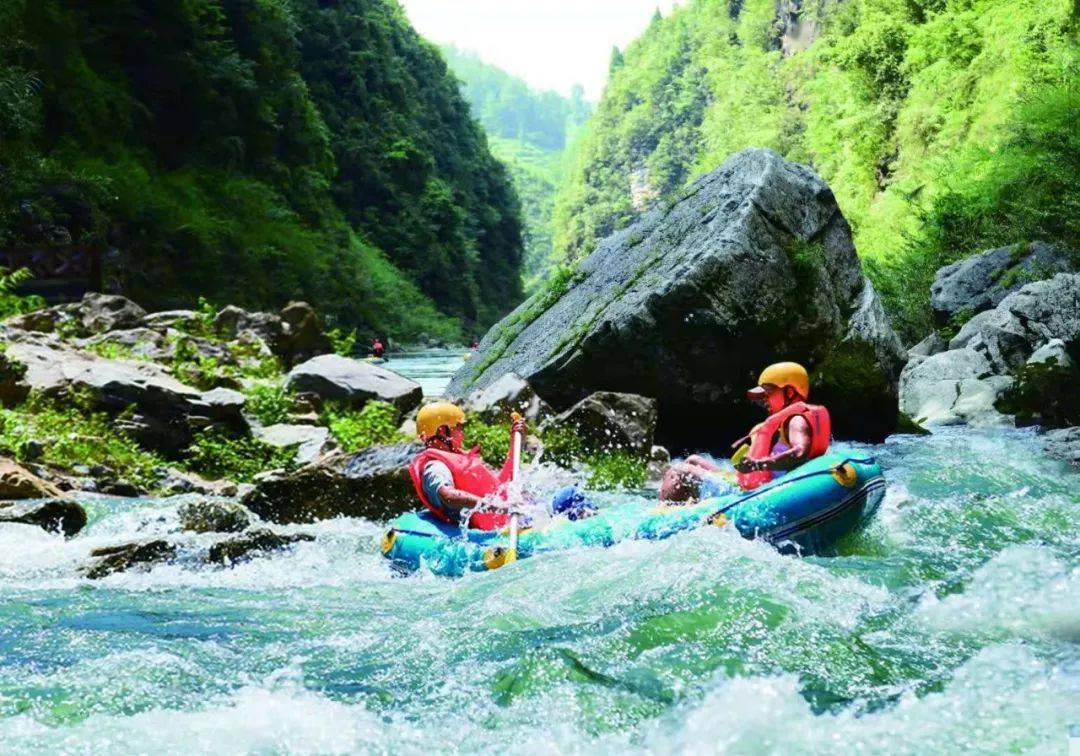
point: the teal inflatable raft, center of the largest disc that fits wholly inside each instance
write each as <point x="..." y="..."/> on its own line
<point x="805" y="511"/>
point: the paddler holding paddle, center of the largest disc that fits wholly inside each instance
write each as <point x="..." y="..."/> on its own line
<point x="795" y="432"/>
<point x="451" y="481"/>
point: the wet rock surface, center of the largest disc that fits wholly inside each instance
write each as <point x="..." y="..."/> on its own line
<point x="213" y="516"/>
<point x="16" y="482"/>
<point x="688" y="304"/>
<point x="54" y="515"/>
<point x="611" y="422"/>
<point x="373" y="483"/>
<point x="1064" y="443"/>
<point x="252" y="544"/>
<point x="510" y="393"/>
<point x="124" y="557"/>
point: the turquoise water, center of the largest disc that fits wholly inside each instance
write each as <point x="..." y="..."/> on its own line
<point x="952" y="624"/>
<point x="431" y="368"/>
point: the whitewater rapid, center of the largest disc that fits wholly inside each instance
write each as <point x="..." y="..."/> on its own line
<point x="951" y="624"/>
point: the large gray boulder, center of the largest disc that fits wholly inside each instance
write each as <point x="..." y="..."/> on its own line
<point x="992" y="352"/>
<point x="353" y="382"/>
<point x="373" y="483"/>
<point x="979" y="283"/>
<point x="611" y="422"/>
<point x="753" y="265"/>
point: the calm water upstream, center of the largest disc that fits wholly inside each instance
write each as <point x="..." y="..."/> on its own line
<point x="431" y="368"/>
<point x="952" y="624"/>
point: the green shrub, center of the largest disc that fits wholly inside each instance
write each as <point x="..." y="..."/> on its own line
<point x="343" y="343"/>
<point x="493" y="440"/>
<point x="615" y="471"/>
<point x="71" y="433"/>
<point x="217" y="455"/>
<point x="270" y="403"/>
<point x="376" y="423"/>
<point x="11" y="302"/>
<point x="113" y="351"/>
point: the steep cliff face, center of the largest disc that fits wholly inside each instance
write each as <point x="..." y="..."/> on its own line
<point x="941" y="125"/>
<point x="255" y="152"/>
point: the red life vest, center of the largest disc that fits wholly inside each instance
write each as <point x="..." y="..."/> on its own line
<point x="761" y="438"/>
<point x="470" y="475"/>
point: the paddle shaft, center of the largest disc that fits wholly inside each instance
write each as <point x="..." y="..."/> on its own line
<point x="515" y="470"/>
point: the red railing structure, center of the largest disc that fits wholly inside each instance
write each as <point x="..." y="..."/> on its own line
<point x="61" y="274"/>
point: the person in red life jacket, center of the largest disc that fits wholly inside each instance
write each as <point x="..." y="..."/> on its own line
<point x="794" y="433"/>
<point x="449" y="480"/>
<point x="377" y="347"/>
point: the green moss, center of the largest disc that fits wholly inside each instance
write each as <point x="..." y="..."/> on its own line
<point x="1045" y="394"/>
<point x="849" y="381"/>
<point x="904" y="424"/>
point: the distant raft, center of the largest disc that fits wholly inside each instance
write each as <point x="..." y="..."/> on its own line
<point x="806" y="511"/>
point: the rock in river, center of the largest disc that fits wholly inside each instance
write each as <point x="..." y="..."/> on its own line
<point x="754" y="264"/>
<point x="54" y="515"/>
<point x="372" y="483"/>
<point x="354" y="382"/>
<point x="250" y="545"/>
<point x="213" y="516"/>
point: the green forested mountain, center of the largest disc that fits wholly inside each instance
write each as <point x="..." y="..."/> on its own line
<point x="529" y="132"/>
<point x="943" y="126"/>
<point x="254" y="151"/>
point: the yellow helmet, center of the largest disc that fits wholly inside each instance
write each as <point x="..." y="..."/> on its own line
<point x="433" y="416"/>
<point x="787" y="374"/>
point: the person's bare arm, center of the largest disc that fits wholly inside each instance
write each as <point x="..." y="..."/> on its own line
<point x="456" y="499"/>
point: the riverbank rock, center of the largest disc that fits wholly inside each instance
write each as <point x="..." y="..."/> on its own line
<point x="167" y="412"/>
<point x="127" y="556"/>
<point x="250" y="545"/>
<point x="979" y="283"/>
<point x="986" y="375"/>
<point x="171" y="481"/>
<point x="94" y="313"/>
<point x="373" y="483"/>
<point x="611" y="422"/>
<point x="16" y="482"/>
<point x="754" y="264"/>
<point x="210" y="516"/>
<point x="510" y="393"/>
<point x="54" y="515"/>
<point x="311" y="441"/>
<point x="353" y="382"/>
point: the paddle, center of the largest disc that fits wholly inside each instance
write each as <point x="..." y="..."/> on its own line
<point x="515" y="470"/>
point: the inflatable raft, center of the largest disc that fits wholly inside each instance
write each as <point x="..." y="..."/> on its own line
<point x="806" y="511"/>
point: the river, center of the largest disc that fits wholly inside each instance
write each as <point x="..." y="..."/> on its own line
<point x="951" y="624"/>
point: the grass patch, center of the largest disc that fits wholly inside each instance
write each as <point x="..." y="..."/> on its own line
<point x="376" y="423"/>
<point x="215" y="454"/>
<point x="67" y="433"/>
<point x="270" y="403"/>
